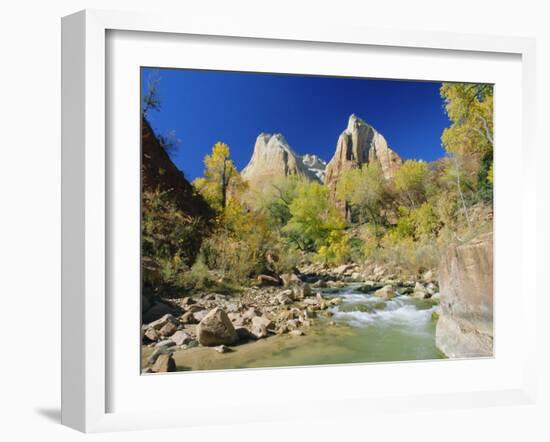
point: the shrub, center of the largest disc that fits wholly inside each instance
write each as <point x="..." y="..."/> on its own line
<point x="168" y="239"/>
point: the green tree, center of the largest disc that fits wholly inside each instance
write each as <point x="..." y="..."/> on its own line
<point x="276" y="199"/>
<point x="313" y="218"/>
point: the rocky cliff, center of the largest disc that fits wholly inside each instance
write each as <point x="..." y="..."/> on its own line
<point x="273" y="157"/>
<point x="359" y="144"/>
<point x="465" y="327"/>
<point x="159" y="172"/>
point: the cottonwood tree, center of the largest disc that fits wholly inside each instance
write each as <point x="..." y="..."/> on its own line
<point x="313" y="218"/>
<point x="364" y="189"/>
<point x="470" y="136"/>
<point x="221" y="177"/>
<point x="410" y="180"/>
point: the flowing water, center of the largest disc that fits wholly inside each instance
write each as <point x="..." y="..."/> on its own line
<point x="364" y="328"/>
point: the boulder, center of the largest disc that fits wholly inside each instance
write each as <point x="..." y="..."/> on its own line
<point x="200" y="315"/>
<point x="285" y="297"/>
<point x="161" y="322"/>
<point x="151" y="334"/>
<point x="262" y="321"/>
<point x="260" y="327"/>
<point x="465" y="325"/>
<point x="236" y="318"/>
<point x="181" y="338"/>
<point x="251" y="313"/>
<point x="420" y="292"/>
<point x="165" y="349"/>
<point x="296" y="333"/>
<point x="188" y="318"/>
<point x="387" y="292"/>
<point x="216" y="329"/>
<point x="168" y="329"/>
<point x="164" y="363"/>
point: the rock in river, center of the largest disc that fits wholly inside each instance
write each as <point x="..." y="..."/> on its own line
<point x="387" y="292"/>
<point x="216" y="329"/>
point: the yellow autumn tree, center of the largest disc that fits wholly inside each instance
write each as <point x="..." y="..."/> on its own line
<point x="470" y="108"/>
<point x="221" y="178"/>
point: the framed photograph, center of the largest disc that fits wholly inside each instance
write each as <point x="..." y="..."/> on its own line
<point x="249" y="211"/>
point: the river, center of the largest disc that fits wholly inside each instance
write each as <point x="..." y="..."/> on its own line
<point x="363" y="328"/>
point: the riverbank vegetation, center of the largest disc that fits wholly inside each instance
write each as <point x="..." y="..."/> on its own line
<point x="404" y="222"/>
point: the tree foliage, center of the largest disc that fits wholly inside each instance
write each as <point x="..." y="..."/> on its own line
<point x="221" y="179"/>
<point x="406" y="220"/>
<point x="364" y="189"/>
<point x="313" y="217"/>
<point x="470" y="108"/>
<point x="470" y="136"/>
<point x="411" y="180"/>
<point x="169" y="237"/>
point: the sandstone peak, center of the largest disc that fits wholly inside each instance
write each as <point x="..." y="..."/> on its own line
<point x="359" y="144"/>
<point x="354" y="121"/>
<point x="273" y="157"/>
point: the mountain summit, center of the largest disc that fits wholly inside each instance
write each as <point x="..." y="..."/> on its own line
<point x="273" y="157"/>
<point x="359" y="144"/>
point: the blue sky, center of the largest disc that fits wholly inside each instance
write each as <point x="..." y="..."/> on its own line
<point x="204" y="107"/>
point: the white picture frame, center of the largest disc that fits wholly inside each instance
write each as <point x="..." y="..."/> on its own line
<point x="86" y="356"/>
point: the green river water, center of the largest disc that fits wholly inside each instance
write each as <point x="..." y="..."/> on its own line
<point x="364" y="328"/>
